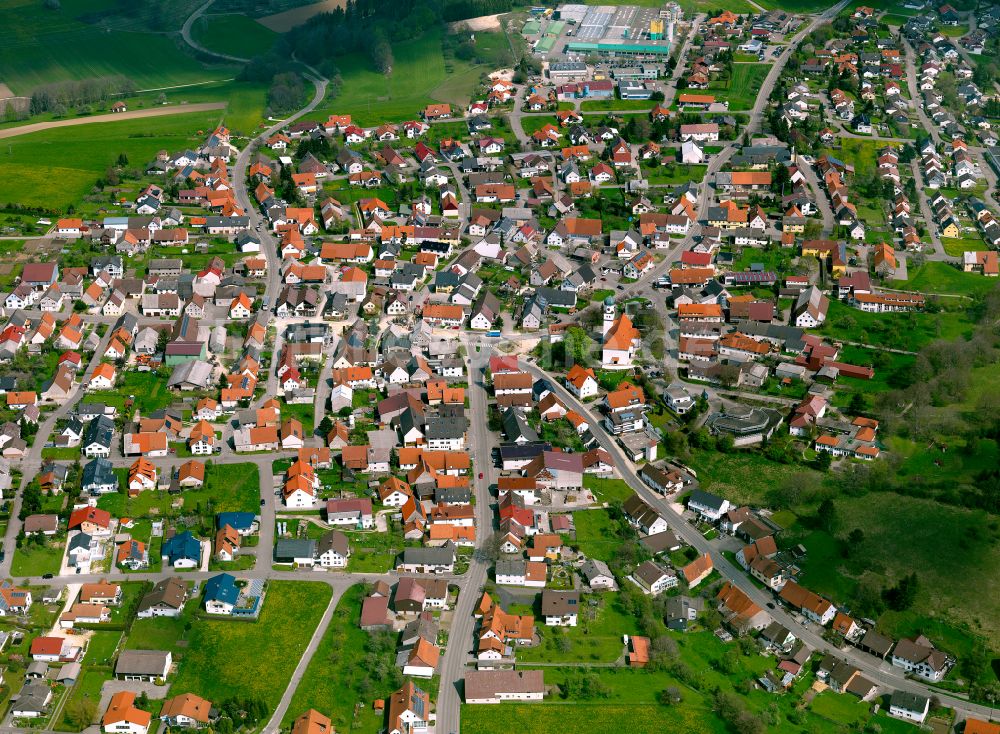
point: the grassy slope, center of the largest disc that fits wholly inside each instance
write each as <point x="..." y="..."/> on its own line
<point x="235" y="35"/>
<point x="418" y="78"/>
<point x="936" y="277"/>
<point x="42" y="46"/>
<point x="230" y="658"/>
<point x="57" y="167"/>
<point x="953" y="551"/>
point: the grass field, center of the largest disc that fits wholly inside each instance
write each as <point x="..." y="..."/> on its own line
<point x="858" y="152"/>
<point x="419" y="77"/>
<point x="218" y="664"/>
<point x="234" y="35"/>
<point x="228" y="488"/>
<point x="595" y="533"/>
<point x="908" y="331"/>
<point x="159" y="633"/>
<point x="43" y="46"/>
<point x="33" y="560"/>
<point x="743" y="86"/>
<point x="607" y="490"/>
<point x="742" y="477"/>
<point x="596" y="639"/>
<point x="338" y="673"/>
<point x="56" y="168"/>
<point x="942" y="544"/>
<point x="88" y="687"/>
<point x="101" y="648"/>
<point x="688" y="6"/>
<point x="610" y="105"/>
<point x="938" y="277"/>
<point x="629" y="700"/>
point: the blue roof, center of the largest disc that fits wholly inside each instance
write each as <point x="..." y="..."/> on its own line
<point x="222" y="588"/>
<point x="182" y="547"/>
<point x="235" y="520"/>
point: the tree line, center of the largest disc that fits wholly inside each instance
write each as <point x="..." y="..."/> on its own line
<point x="60" y="97"/>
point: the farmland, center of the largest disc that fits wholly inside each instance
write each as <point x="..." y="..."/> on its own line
<point x="57" y="168"/>
<point x="43" y="46"/>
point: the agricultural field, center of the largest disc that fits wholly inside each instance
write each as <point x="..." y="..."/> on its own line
<point x="43" y="46"/>
<point x="291" y="613"/>
<point x="57" y="168"/>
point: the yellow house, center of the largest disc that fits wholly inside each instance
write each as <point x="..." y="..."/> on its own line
<point x="949" y="228"/>
<point x="793" y="225"/>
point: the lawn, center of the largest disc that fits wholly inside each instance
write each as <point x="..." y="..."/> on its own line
<point x="159" y="633"/>
<point x="612" y="105"/>
<point x="88" y="687"/>
<point x="55" y="168"/>
<point x="43" y="46"/>
<point x="216" y="664"/>
<point x="607" y="490"/>
<point x="858" y="152"/>
<point x="673" y="173"/>
<point x="102" y="647"/>
<point x="596" y="534"/>
<point x="340" y="674"/>
<point x="597" y="638"/>
<point x="33" y="560"/>
<point x="234" y="35"/>
<point x="743" y="86"/>
<point x="147" y="389"/>
<point x="957" y="246"/>
<point x="942" y="278"/>
<point x="419" y="77"/>
<point x="373" y="552"/>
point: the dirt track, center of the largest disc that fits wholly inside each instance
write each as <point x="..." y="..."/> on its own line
<point x="177" y="109"/>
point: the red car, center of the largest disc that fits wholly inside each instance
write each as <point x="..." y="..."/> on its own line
<point x="480" y="475"/>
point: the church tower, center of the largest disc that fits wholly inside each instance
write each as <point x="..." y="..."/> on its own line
<point x="609" y="314"/>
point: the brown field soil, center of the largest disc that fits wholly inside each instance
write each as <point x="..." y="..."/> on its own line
<point x="284" y="22"/>
<point x="5" y="91"/>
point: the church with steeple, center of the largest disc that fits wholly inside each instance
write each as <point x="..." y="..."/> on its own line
<point x="621" y="339"/>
